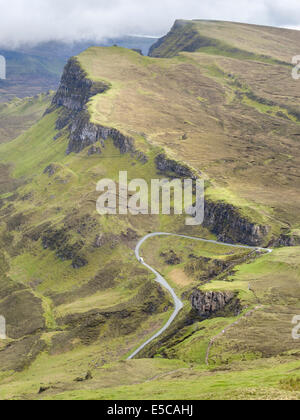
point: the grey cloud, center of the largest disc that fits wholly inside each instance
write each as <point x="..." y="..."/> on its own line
<point x="69" y="20"/>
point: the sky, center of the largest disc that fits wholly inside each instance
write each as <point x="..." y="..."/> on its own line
<point x="33" y="21"/>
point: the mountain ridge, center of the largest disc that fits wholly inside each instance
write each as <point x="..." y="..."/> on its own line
<point x="71" y="276"/>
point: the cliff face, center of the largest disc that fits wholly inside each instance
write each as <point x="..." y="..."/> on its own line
<point x="170" y="166"/>
<point x="83" y="133"/>
<point x="209" y="303"/>
<point x="75" y="88"/>
<point x="182" y="37"/>
<point x="222" y="219"/>
<point x="225" y="221"/>
<point x="161" y="47"/>
<point x="71" y="100"/>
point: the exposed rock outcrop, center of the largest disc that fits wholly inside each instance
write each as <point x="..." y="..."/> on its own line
<point x="51" y="170"/>
<point x="71" y="101"/>
<point x="209" y="303"/>
<point x="94" y="151"/>
<point x="58" y="241"/>
<point x="83" y="133"/>
<point x="75" y="88"/>
<point x="285" y="240"/>
<point x="225" y="221"/>
<point x="171" y="167"/>
<point x="74" y="92"/>
<point x="138" y="50"/>
<point x="204" y="269"/>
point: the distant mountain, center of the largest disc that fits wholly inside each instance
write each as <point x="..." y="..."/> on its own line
<point x="229" y="39"/>
<point x="35" y="69"/>
<point x="220" y="102"/>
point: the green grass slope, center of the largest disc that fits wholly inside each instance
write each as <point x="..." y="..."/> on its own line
<point x="70" y="283"/>
<point x="76" y="300"/>
<point x="19" y="115"/>
<point x="216" y="114"/>
<point x="240" y="40"/>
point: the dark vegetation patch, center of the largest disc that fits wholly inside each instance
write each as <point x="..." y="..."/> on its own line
<point x="16" y="222"/>
<point x="83" y="225"/>
<point x="19" y="355"/>
<point x="171" y="258"/>
<point x="35" y="232"/>
<point x="7" y="183"/>
<point x="23" y="313"/>
<point x="58" y="240"/>
<point x="106" y="278"/>
<point x="7" y="210"/>
<point x="118" y="321"/>
<point x="204" y="269"/>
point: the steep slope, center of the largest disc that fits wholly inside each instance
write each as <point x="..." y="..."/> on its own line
<point x="70" y="286"/>
<point x="70" y="283"/>
<point x="221" y="120"/>
<point x="240" y="40"/>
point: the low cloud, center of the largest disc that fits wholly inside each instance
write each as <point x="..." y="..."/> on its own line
<point x="32" y="21"/>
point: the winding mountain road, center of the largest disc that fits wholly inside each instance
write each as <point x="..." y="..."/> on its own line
<point x="178" y="305"/>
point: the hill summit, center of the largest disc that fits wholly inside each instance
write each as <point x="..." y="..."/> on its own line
<point x="215" y="100"/>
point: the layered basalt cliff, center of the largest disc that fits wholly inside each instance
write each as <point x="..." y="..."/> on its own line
<point x="171" y="167"/>
<point x="227" y="223"/>
<point x="207" y="304"/>
<point x="221" y="218"/>
<point x="83" y="133"/>
<point x="71" y="99"/>
<point x="75" y="88"/>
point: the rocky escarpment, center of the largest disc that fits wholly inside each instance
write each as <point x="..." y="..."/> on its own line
<point x="172" y="167"/>
<point x="183" y="36"/>
<point x="75" y="88"/>
<point x="71" y="99"/>
<point x="83" y="133"/>
<point x="210" y="303"/>
<point x="221" y="218"/>
<point x="227" y="223"/>
<point x="285" y="241"/>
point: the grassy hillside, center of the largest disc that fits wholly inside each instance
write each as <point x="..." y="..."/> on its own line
<point x="34" y="69"/>
<point x="70" y="283"/>
<point x="241" y="131"/>
<point x="254" y="42"/>
<point x="19" y="115"/>
<point x="76" y="300"/>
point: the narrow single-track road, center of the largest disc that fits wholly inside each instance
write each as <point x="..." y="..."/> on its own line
<point x="178" y="305"/>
